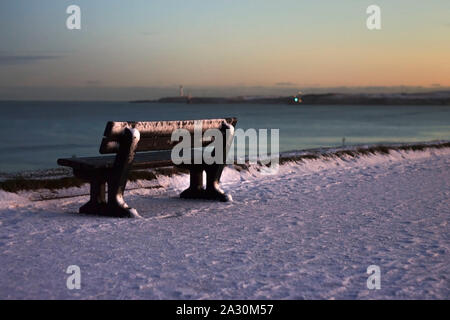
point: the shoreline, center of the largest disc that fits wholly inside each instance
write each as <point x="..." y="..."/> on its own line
<point x="427" y="98"/>
<point x="62" y="178"/>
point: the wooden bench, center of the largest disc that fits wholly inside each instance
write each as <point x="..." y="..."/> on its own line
<point x="142" y="145"/>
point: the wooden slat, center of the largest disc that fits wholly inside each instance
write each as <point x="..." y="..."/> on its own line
<point x="109" y="145"/>
<point x="164" y="128"/>
<point x="142" y="160"/>
<point x="155" y="135"/>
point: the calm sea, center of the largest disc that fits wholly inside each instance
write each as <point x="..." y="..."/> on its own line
<point x="34" y="134"/>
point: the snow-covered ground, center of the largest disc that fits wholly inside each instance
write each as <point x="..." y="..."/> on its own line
<point x="309" y="231"/>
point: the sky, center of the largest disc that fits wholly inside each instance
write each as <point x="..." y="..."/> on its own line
<point x="220" y="43"/>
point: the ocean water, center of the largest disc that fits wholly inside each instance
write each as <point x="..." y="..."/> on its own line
<point x="34" y="134"/>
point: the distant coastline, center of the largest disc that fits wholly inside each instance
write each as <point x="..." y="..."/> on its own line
<point x="427" y="98"/>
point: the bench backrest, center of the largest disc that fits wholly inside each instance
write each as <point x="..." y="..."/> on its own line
<point x="155" y="135"/>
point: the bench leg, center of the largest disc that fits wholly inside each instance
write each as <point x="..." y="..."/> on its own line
<point x="195" y="190"/>
<point x="117" y="179"/>
<point x="213" y="191"/>
<point x="97" y="202"/>
<point x="117" y="206"/>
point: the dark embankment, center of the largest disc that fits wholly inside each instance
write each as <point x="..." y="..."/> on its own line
<point x="26" y="182"/>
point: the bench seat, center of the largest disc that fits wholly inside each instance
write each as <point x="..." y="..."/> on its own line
<point x="142" y="160"/>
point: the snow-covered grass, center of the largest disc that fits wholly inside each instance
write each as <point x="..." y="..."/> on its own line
<point x="310" y="231"/>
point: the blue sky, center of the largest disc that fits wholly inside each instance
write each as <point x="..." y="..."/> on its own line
<point x="224" y="43"/>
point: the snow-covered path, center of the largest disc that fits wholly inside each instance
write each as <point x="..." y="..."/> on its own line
<point x="310" y="231"/>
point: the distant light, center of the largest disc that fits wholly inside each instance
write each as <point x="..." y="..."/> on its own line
<point x="296" y="99"/>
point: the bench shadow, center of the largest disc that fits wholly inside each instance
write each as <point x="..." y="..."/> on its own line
<point x="148" y="207"/>
<point x="172" y="207"/>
